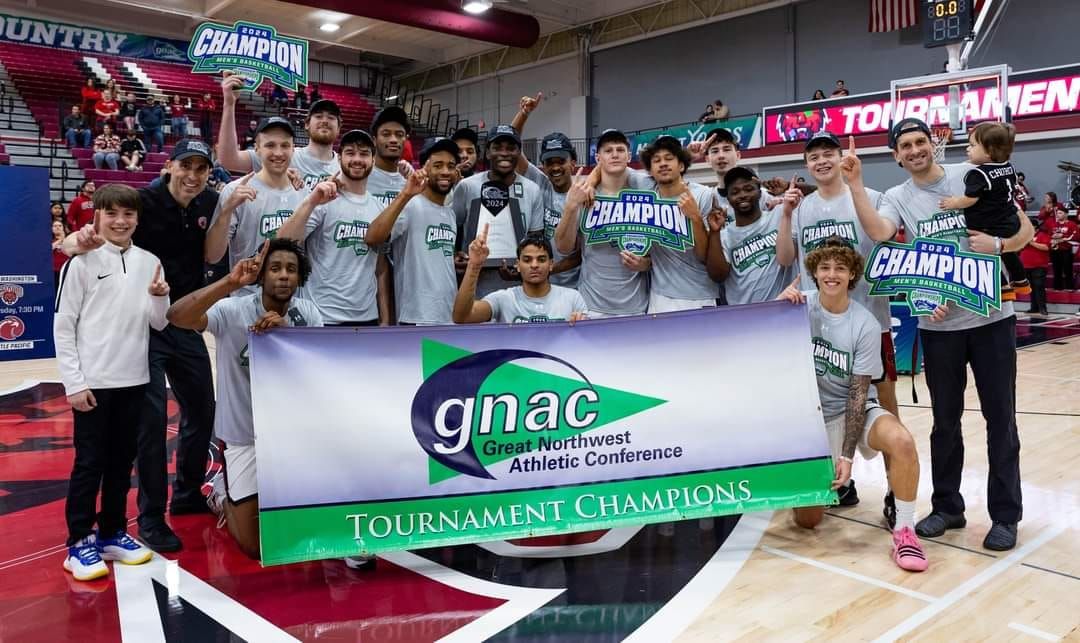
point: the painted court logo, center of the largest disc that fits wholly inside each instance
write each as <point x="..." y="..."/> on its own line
<point x="828" y="360"/>
<point x="932" y="272"/>
<point x="253" y="51"/>
<point x="635" y="220"/>
<point x="350" y="234"/>
<point x="478" y="409"/>
<point x="441" y="237"/>
<point x="270" y="223"/>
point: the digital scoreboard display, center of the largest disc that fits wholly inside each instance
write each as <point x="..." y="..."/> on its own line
<point x="947" y="21"/>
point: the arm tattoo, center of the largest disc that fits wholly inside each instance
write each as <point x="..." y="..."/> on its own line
<point x="855" y="414"/>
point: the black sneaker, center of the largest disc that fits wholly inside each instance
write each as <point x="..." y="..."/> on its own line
<point x="1001" y="537"/>
<point x="890" y="510"/>
<point x="937" y="523"/>
<point x="847" y="495"/>
<point x="160" y="538"/>
<point x="185" y="508"/>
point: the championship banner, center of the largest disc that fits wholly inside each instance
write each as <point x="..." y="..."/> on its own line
<point x="401" y="438"/>
<point x="635" y="220"/>
<point x="254" y="52"/>
<point x="1040" y="92"/>
<point x="26" y="276"/>
<point x="60" y="35"/>
<point x="934" y="271"/>
<point x="905" y="331"/>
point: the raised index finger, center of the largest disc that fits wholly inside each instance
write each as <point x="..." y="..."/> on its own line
<point x="262" y="252"/>
<point x="482" y="237"/>
<point x="247" y="177"/>
<point x="851" y="144"/>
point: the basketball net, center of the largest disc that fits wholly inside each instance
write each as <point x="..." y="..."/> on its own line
<point x="940" y="137"/>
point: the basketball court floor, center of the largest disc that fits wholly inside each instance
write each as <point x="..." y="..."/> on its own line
<point x="754" y="577"/>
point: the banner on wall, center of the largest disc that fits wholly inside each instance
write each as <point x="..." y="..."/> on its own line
<point x="59" y="35"/>
<point x="472" y="434"/>
<point x="746" y="129"/>
<point x="1040" y="92"/>
<point x="26" y="276"/>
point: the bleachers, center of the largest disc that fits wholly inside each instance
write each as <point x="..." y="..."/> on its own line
<point x="5" y="159"/>
<point x="152" y="165"/>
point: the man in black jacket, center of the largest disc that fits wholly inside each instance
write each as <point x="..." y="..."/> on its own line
<point x="151" y="117"/>
<point x="75" y="130"/>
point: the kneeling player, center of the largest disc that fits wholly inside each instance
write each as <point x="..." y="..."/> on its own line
<point x="847" y="355"/>
<point x="280" y="269"/>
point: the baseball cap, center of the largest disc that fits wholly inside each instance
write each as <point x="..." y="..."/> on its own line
<point x="275" y="121"/>
<point x="736" y="173"/>
<point x="324" y="105"/>
<point x="612" y="135"/>
<point x="723" y="135"/>
<point x="188" y="148"/>
<point x="440" y="144"/>
<point x="556" y="145"/>
<point x="391" y="114"/>
<point x="503" y="131"/>
<point x="904" y="126"/>
<point x="467" y="133"/>
<point x="357" y="136"/>
<point x="822" y="139"/>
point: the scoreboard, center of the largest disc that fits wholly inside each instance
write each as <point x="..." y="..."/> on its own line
<point x="947" y="21"/>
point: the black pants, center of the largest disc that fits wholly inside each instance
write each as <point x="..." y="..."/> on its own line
<point x="104" y="440"/>
<point x="1037" y="277"/>
<point x="991" y="351"/>
<point x="180" y="354"/>
<point x="1062" y="260"/>
<point x="1014" y="268"/>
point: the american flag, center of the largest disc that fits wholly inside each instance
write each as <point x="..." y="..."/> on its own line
<point x="890" y="15"/>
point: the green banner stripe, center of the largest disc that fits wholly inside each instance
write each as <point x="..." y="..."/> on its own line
<point x="295" y="535"/>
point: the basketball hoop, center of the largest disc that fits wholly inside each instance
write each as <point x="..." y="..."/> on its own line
<point x="940" y="137"/>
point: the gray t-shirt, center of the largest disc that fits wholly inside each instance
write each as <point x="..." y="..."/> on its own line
<point x="817" y="219"/>
<point x="342" y="281"/>
<point x="256" y="221"/>
<point x="755" y="274"/>
<point x="513" y="306"/>
<point x="229" y="320"/>
<point x="553" y="207"/>
<point x="384" y="186"/>
<point x="310" y="168"/>
<point x="916" y="207"/>
<point x="681" y="275"/>
<point x="425" y="282"/>
<point x="844" y="345"/>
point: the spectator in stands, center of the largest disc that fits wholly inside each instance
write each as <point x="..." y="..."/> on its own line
<point x="107" y="109"/>
<point x="111" y="86"/>
<point x="90" y="97"/>
<point x="106" y="148"/>
<point x="132" y="152"/>
<point x="151" y="117"/>
<point x="1048" y="210"/>
<point x="720" y="110"/>
<point x="1020" y="193"/>
<point x="59" y="258"/>
<point x="1036" y="257"/>
<point x="81" y="209"/>
<point x="819" y="95"/>
<point x="56" y="211"/>
<point x="177" y="117"/>
<point x="279" y="97"/>
<point x="207" y="107"/>
<point x="840" y="89"/>
<point x="315" y="96"/>
<point x="129" y="111"/>
<point x="708" y="116"/>
<point x="300" y="98"/>
<point x="248" y="141"/>
<point x="76" y="131"/>
<point x="1062" y="234"/>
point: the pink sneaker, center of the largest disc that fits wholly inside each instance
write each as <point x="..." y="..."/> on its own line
<point x="907" y="551"/>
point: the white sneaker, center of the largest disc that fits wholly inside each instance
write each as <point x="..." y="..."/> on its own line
<point x="360" y="562"/>
<point x="124" y="549"/>
<point x="84" y="560"/>
<point x="217" y="498"/>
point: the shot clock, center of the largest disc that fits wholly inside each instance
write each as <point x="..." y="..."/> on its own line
<point x="947" y="21"/>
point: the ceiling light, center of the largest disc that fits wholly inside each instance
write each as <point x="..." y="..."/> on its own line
<point x="476" y="6"/>
<point x="394" y="97"/>
<point x="329" y="27"/>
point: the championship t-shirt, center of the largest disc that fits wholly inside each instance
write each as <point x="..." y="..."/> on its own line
<point x="681" y="275"/>
<point x="425" y="282"/>
<point x="310" y="168"/>
<point x="342" y="281"/>
<point x="844" y="345"/>
<point x="755" y="274"/>
<point x="384" y="186"/>
<point x="513" y="306"/>
<point x="229" y="320"/>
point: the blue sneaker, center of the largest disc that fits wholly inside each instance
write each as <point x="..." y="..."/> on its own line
<point x="124" y="549"/>
<point x="84" y="560"/>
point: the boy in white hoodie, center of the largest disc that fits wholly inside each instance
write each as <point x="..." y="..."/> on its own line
<point x="106" y="302"/>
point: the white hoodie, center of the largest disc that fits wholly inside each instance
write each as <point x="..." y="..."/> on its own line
<point x="104" y="312"/>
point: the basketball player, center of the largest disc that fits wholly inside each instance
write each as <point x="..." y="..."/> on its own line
<point x="679" y="280"/>
<point x="251" y="209"/>
<point x="422" y="230"/>
<point x="391" y="129"/>
<point x="350" y="282"/>
<point x="313" y="163"/>
<point x="953" y="338"/>
<point x="468" y="142"/>
<point x="279" y="269"/>
<point x="613" y="282"/>
<point x="501" y="197"/>
<point x="845" y="339"/>
<point x="721" y="149"/>
<point x="742" y="254"/>
<point x="535" y="300"/>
